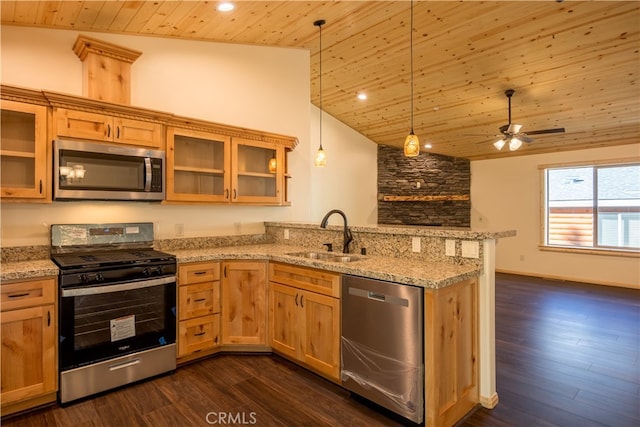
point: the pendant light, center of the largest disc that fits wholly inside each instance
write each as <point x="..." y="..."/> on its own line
<point x="411" y="143"/>
<point x="321" y="157"/>
<point x="273" y="163"/>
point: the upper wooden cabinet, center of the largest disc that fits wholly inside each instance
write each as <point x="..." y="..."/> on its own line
<point x="209" y="166"/>
<point x="103" y="127"/>
<point x="23" y="151"/>
<point x="197" y="166"/>
<point x="258" y="172"/>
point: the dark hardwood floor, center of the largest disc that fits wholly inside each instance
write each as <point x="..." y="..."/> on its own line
<point x="568" y="354"/>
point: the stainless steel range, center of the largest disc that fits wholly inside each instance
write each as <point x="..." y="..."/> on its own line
<point x="117" y="306"/>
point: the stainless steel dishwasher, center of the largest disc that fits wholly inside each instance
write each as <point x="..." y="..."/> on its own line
<point x="383" y="344"/>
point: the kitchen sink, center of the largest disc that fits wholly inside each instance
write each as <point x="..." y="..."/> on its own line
<point x="327" y="256"/>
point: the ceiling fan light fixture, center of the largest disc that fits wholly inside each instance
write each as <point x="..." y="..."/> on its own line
<point x="499" y="144"/>
<point x="514" y="128"/>
<point x="514" y="144"/>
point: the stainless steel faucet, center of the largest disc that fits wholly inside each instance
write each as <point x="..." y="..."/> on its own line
<point x="348" y="237"/>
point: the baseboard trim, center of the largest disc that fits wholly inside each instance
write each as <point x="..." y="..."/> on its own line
<point x="489" y="402"/>
<point x="570" y="279"/>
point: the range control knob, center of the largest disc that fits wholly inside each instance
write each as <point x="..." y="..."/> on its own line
<point x="146" y="272"/>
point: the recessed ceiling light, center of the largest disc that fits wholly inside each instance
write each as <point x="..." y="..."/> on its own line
<point x="362" y="96"/>
<point x="225" y="6"/>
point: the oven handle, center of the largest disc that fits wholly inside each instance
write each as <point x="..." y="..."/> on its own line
<point x="93" y="290"/>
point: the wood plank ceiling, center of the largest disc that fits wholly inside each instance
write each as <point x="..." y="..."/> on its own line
<point x="572" y="64"/>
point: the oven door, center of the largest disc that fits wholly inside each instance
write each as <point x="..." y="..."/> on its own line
<point x="105" y="321"/>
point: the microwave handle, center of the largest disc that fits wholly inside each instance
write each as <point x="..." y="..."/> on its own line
<point x="147" y="174"/>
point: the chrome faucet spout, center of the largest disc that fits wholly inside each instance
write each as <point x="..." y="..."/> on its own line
<point x="347" y="236"/>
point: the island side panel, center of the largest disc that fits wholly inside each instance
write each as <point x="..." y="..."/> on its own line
<point x="451" y="352"/>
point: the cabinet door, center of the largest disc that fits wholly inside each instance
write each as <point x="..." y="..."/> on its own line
<point x="284" y="303"/>
<point x="28" y="353"/>
<point x="23" y="150"/>
<point x="321" y="339"/>
<point x="137" y="132"/>
<point x="253" y="181"/>
<point x="243" y="296"/>
<point x="197" y="166"/>
<point x="82" y="124"/>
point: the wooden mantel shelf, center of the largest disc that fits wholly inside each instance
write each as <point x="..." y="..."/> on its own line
<point x="425" y="198"/>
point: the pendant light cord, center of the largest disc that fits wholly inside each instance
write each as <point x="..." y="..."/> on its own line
<point x="319" y="24"/>
<point x="411" y="62"/>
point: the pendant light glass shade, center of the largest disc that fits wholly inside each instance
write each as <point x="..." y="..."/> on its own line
<point x="411" y="145"/>
<point x="411" y="142"/>
<point x="273" y="164"/>
<point x="321" y="157"/>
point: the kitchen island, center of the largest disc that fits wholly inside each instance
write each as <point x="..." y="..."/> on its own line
<point x="458" y="291"/>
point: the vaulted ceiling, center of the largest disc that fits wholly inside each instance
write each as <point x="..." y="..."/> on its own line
<point x="572" y="64"/>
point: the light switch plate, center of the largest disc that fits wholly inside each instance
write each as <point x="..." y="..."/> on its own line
<point x="415" y="244"/>
<point x="450" y="247"/>
<point x="470" y="249"/>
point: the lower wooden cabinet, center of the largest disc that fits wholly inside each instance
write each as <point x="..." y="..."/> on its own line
<point x="244" y="303"/>
<point x="28" y="357"/>
<point x="305" y="325"/>
<point x="198" y="309"/>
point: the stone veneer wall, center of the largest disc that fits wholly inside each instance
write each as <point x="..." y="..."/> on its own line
<point x="438" y="176"/>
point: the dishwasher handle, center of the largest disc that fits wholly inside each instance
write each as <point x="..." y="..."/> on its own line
<point x="377" y="296"/>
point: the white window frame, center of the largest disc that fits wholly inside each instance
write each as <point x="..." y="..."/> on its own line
<point x="600" y="250"/>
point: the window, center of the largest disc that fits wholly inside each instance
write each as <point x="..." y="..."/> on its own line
<point x="593" y="206"/>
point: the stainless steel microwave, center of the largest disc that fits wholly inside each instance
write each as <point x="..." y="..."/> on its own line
<point x="98" y="171"/>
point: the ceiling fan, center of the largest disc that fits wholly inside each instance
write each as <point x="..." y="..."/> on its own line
<point x="511" y="132"/>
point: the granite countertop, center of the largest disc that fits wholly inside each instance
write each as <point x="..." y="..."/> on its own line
<point x="425" y="274"/>
<point x="432" y="275"/>
<point x="27" y="269"/>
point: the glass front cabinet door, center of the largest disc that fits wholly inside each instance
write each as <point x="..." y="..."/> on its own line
<point x="197" y="166"/>
<point x="258" y="172"/>
<point x="23" y="151"/>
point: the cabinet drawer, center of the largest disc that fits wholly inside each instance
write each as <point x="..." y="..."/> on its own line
<point x="198" y="334"/>
<point x="198" y="272"/>
<point x="28" y="294"/>
<point x="200" y="299"/>
<point x="310" y="279"/>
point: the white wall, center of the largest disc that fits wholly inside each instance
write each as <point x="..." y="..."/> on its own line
<point x="349" y="156"/>
<point x="260" y="88"/>
<point x="506" y="194"/>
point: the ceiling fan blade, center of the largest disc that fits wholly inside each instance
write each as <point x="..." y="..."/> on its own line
<point x="543" y="131"/>
<point x="524" y="138"/>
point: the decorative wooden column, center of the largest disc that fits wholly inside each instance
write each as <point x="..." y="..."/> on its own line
<point x="106" y="70"/>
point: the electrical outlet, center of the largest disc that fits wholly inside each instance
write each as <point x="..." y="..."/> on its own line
<point x="179" y="230"/>
<point x="286" y="234"/>
<point x="450" y="247"/>
<point x="415" y="244"/>
<point x="471" y="249"/>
